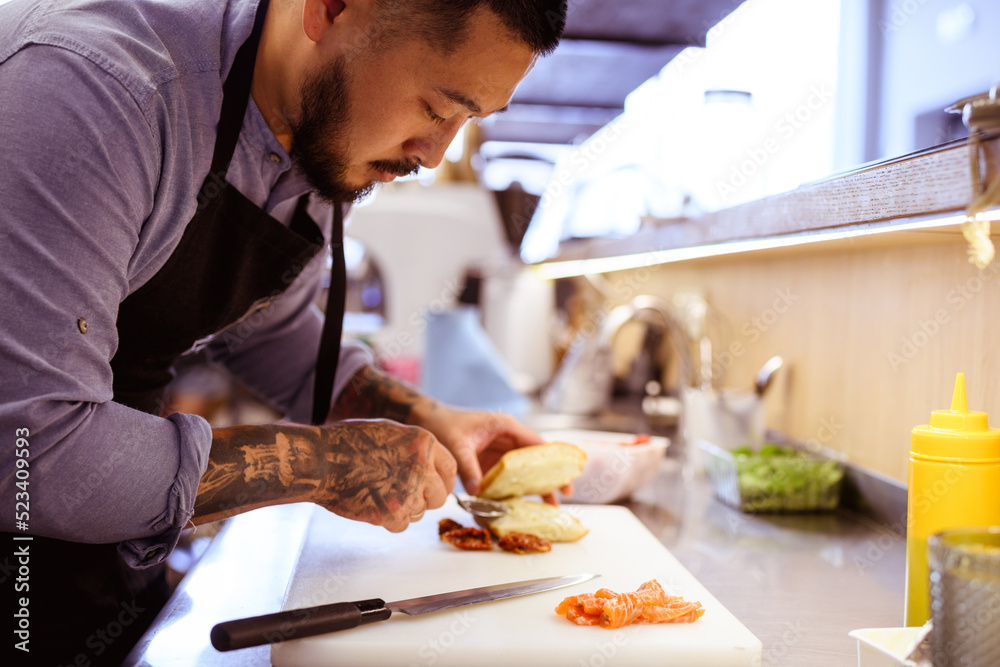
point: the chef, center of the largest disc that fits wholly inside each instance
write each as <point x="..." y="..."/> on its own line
<point x="173" y="172"/>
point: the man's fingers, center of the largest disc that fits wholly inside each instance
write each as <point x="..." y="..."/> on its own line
<point x="507" y="434"/>
<point x="521" y="434"/>
<point x="494" y="451"/>
<point x="396" y="525"/>
<point x="436" y="490"/>
<point x="445" y="464"/>
<point x="468" y="467"/>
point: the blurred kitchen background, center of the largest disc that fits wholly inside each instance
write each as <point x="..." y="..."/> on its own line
<point x="655" y="111"/>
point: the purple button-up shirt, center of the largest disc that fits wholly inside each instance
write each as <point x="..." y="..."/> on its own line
<point x="108" y="115"/>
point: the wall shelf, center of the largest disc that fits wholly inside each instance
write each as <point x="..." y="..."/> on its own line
<point x="889" y="194"/>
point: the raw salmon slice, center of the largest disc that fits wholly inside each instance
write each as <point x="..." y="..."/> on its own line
<point x="611" y="610"/>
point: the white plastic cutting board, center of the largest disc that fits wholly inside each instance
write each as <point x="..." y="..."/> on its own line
<point x="346" y="560"/>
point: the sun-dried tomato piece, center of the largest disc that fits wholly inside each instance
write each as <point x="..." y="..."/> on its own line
<point x="470" y="539"/>
<point x="522" y="543"/>
<point x="445" y="525"/>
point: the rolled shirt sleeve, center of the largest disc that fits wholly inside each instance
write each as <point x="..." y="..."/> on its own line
<point x="80" y="173"/>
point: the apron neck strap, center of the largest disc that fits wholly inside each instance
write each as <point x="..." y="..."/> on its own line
<point x="333" y="324"/>
<point x="236" y="96"/>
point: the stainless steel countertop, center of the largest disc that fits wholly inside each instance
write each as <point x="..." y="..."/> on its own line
<point x="800" y="583"/>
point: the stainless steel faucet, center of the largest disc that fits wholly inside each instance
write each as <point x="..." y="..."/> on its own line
<point x="582" y="384"/>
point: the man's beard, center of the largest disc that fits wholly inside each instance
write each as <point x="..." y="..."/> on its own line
<point x="320" y="137"/>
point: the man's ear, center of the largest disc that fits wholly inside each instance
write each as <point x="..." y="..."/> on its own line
<point x="318" y="16"/>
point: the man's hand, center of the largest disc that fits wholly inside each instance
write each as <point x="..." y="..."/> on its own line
<point x="376" y="471"/>
<point x="476" y="439"/>
<point x="383" y="472"/>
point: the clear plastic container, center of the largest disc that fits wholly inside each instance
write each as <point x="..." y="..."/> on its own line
<point x="803" y="481"/>
<point x="617" y="465"/>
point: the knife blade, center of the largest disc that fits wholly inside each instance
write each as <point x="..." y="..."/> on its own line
<point x="321" y="619"/>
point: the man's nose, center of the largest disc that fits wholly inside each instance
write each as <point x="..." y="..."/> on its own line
<point x="430" y="148"/>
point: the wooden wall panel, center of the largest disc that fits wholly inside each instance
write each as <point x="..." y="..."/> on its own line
<point x="872" y="330"/>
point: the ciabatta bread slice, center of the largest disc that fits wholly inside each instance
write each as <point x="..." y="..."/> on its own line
<point x="535" y="470"/>
<point x="537" y="518"/>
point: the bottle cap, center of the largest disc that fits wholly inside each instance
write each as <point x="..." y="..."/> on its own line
<point x="957" y="434"/>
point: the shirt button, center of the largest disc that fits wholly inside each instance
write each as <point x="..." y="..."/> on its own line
<point x="275" y="158"/>
<point x="81" y="324"/>
<point x="152" y="554"/>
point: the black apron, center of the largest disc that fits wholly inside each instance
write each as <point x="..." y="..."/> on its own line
<point x="232" y="259"/>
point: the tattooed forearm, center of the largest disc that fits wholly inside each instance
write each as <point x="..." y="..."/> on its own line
<point x="360" y="469"/>
<point x="372" y="394"/>
<point x="255" y="466"/>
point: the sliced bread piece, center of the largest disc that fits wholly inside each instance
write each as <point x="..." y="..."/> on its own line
<point x="537" y="518"/>
<point x="535" y="470"/>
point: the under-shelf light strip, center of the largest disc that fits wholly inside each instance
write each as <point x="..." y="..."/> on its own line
<point x="580" y="267"/>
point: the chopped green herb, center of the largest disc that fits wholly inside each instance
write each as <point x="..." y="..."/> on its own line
<point x="783" y="479"/>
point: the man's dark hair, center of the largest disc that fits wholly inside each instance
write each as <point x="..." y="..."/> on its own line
<point x="444" y="23"/>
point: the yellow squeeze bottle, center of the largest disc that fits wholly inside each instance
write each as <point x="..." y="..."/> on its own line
<point x="954" y="482"/>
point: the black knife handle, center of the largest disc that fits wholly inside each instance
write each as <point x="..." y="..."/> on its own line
<point x="297" y="623"/>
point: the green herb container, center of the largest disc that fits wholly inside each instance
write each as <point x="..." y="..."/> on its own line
<point x="775" y="478"/>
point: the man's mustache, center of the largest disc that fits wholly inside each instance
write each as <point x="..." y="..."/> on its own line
<point x="397" y="167"/>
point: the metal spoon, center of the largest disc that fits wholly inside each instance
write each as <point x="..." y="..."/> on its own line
<point x="481" y="507"/>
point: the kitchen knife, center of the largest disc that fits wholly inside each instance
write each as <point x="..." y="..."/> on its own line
<point x="310" y="621"/>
